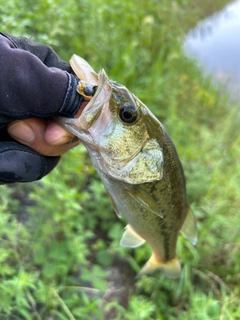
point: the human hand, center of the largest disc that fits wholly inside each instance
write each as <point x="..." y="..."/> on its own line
<point x="35" y="86"/>
<point x="45" y="137"/>
<point x="30" y="148"/>
<point x="38" y="152"/>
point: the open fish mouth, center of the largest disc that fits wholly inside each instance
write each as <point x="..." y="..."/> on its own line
<point x="90" y="111"/>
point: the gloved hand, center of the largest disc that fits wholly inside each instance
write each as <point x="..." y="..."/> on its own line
<point x="34" y="86"/>
<point x="20" y="163"/>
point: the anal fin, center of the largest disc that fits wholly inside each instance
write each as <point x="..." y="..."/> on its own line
<point x="189" y="227"/>
<point x="131" y="239"/>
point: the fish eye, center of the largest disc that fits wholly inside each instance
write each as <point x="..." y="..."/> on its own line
<point x="128" y="113"/>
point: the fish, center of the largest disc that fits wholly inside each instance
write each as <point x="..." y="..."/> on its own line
<point x="138" y="165"/>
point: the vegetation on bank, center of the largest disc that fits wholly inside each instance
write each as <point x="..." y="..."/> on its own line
<point x="59" y="238"/>
<point x="206" y="8"/>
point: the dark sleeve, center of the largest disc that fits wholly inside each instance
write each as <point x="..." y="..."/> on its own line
<point x="44" y="52"/>
<point x="34" y="82"/>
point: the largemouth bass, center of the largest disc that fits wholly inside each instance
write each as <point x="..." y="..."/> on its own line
<point x="138" y="165"/>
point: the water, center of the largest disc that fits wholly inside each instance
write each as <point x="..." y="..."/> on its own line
<point x="215" y="44"/>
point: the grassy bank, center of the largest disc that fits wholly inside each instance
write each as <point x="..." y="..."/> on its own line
<point x="207" y="8"/>
<point x="59" y="238"/>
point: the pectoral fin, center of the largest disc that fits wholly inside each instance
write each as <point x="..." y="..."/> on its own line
<point x="145" y="200"/>
<point x="189" y="227"/>
<point x="131" y="239"/>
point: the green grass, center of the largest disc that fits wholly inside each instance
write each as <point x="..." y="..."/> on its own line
<point x="59" y="238"/>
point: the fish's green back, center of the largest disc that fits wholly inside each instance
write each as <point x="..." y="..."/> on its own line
<point x="170" y="196"/>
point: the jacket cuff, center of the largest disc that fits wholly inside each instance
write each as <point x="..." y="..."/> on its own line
<point x="73" y="100"/>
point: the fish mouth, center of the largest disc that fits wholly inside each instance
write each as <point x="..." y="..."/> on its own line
<point x="82" y="107"/>
<point x="89" y="112"/>
<point x="94" y="107"/>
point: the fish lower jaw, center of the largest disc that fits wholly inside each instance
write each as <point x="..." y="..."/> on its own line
<point x="171" y="269"/>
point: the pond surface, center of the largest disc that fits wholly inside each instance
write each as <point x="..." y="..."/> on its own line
<point x="215" y="44"/>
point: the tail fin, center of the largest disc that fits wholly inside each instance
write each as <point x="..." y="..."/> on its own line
<point x="170" y="269"/>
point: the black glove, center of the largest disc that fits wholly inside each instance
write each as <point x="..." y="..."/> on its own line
<point x="33" y="83"/>
<point x="19" y="163"/>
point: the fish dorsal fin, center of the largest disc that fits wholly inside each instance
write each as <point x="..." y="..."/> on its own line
<point x="145" y="200"/>
<point x="131" y="239"/>
<point x="189" y="227"/>
<point x="83" y="69"/>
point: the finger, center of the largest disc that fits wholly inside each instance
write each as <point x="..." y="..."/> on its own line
<point x="57" y="135"/>
<point x="31" y="132"/>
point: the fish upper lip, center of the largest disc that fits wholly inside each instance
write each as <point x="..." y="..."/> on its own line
<point x="79" y="125"/>
<point x="101" y="96"/>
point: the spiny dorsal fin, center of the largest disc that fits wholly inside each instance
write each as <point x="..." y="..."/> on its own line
<point x="189" y="227"/>
<point x="131" y="239"/>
